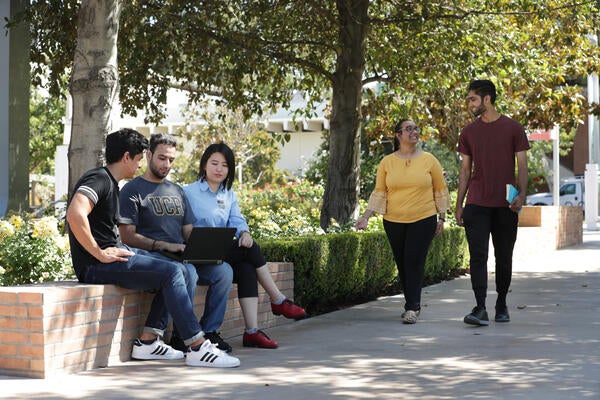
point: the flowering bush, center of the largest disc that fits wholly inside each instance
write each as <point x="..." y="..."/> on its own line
<point x="32" y="251"/>
<point x="289" y="210"/>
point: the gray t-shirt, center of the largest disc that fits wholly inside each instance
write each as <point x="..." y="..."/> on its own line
<point x="158" y="210"/>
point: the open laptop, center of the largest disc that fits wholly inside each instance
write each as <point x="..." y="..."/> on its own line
<point x="205" y="246"/>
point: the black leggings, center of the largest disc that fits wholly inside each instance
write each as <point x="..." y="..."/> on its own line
<point x="244" y="262"/>
<point x="410" y="243"/>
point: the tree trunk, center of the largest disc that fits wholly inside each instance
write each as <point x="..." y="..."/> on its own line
<point x="340" y="200"/>
<point x="94" y="84"/>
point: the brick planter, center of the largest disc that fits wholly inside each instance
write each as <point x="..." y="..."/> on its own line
<point x="59" y="327"/>
<point x="559" y="226"/>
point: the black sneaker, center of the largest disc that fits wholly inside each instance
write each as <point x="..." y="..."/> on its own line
<point x="218" y="341"/>
<point x="177" y="343"/>
<point x="477" y="317"/>
<point x="502" y="314"/>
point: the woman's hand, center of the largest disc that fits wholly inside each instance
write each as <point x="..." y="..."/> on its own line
<point x="361" y="223"/>
<point x="245" y="240"/>
<point x="440" y="227"/>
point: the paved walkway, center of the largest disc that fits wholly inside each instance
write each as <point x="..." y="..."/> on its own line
<point x="550" y="350"/>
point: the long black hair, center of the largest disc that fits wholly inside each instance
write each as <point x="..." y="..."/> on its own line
<point x="229" y="157"/>
<point x="398" y="129"/>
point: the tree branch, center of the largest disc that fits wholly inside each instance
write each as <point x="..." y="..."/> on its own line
<point x="462" y="14"/>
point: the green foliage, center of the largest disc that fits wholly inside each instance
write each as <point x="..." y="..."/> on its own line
<point x="33" y="251"/>
<point x="256" y="151"/>
<point x="281" y="211"/>
<point x="333" y="270"/>
<point x="373" y="150"/>
<point x="448" y="255"/>
<point x="45" y="131"/>
<point x="448" y="158"/>
<point x="422" y="55"/>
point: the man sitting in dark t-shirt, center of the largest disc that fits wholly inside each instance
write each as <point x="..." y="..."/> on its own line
<point x="100" y="258"/>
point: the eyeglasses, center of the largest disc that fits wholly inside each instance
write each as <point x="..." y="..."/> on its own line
<point x="410" y="129"/>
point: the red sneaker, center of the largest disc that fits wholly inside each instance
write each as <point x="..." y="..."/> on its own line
<point x="259" y="339"/>
<point x="289" y="310"/>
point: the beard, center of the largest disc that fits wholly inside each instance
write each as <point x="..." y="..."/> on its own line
<point x="479" y="110"/>
<point x="156" y="172"/>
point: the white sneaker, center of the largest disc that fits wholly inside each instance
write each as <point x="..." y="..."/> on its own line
<point x="410" y="316"/>
<point x="209" y="355"/>
<point x="156" y="350"/>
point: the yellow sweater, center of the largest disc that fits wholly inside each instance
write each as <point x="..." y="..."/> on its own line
<point x="409" y="190"/>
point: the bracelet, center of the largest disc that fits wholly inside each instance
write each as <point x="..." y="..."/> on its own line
<point x="153" y="243"/>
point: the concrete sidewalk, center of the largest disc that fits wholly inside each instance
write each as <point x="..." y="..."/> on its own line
<point x="550" y="349"/>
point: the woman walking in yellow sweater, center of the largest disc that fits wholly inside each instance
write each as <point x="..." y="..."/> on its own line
<point x="411" y="194"/>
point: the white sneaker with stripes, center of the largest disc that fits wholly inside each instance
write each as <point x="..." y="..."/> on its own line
<point x="156" y="350"/>
<point x="209" y="355"/>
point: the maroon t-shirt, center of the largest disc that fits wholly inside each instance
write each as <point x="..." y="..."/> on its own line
<point x="492" y="147"/>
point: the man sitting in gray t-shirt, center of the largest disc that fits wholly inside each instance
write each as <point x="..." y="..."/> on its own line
<point x="155" y="215"/>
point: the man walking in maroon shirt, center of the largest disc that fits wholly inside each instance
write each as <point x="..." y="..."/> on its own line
<point x="488" y="147"/>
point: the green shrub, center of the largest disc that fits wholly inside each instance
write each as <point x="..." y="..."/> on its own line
<point x="33" y="251"/>
<point x="278" y="211"/>
<point x="334" y="270"/>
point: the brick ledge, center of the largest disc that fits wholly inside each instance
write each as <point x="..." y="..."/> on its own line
<point x="66" y="327"/>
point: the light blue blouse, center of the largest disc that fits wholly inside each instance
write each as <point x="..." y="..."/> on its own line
<point x="219" y="209"/>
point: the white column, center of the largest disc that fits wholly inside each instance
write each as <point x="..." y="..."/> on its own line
<point x="591" y="196"/>
<point x="591" y="169"/>
<point x="555" y="135"/>
<point x="61" y="159"/>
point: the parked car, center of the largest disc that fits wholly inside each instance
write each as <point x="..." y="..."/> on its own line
<point x="571" y="192"/>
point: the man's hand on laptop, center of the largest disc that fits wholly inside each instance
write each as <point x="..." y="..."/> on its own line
<point x="173" y="247"/>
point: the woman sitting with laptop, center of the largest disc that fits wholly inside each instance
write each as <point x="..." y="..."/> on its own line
<point x="214" y="204"/>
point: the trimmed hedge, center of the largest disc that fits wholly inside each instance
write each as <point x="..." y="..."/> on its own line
<point x="336" y="270"/>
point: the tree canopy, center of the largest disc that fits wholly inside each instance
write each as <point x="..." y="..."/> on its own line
<point x="419" y="56"/>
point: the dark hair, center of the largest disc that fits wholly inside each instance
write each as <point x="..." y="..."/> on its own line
<point x="124" y="141"/>
<point x="161" y="138"/>
<point x="484" y="87"/>
<point x="229" y="157"/>
<point x="398" y="129"/>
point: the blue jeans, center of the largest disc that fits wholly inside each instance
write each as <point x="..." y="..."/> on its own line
<point x="218" y="277"/>
<point x="142" y="271"/>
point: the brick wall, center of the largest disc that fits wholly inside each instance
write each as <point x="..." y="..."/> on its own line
<point x="570" y="226"/>
<point x="60" y="327"/>
<point x="557" y="227"/>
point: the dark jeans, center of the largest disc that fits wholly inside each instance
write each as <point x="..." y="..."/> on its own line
<point x="501" y="223"/>
<point x="144" y="272"/>
<point x="244" y="262"/>
<point x="218" y="278"/>
<point x="410" y="243"/>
